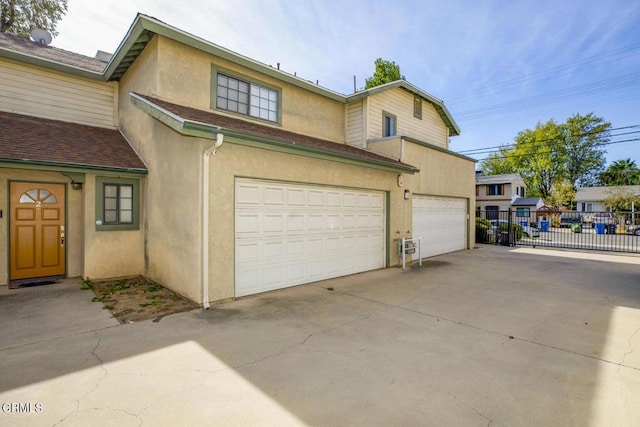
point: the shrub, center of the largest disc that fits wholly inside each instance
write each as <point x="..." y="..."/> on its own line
<point x="515" y="228"/>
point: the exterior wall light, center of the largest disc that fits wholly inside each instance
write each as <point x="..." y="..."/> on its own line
<point x="407" y="194"/>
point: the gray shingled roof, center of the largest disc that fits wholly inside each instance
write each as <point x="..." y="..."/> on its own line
<point x="27" y="47"/>
<point x="526" y="201"/>
<point x="506" y="178"/>
<point x="287" y="138"/>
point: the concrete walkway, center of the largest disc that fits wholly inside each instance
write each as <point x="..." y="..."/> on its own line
<point x="491" y="336"/>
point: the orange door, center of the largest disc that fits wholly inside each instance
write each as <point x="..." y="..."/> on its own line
<point x="37" y="235"/>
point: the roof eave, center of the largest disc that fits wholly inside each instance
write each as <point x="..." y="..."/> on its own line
<point x="70" y="167"/>
<point x="435" y="147"/>
<point x="50" y="64"/>
<point x="144" y="23"/>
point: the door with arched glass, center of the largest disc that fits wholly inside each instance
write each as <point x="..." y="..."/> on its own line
<point x="37" y="230"/>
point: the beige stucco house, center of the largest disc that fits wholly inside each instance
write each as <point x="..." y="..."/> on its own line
<point x="498" y="192"/>
<point x="214" y="174"/>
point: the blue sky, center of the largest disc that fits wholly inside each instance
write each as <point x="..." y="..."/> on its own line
<point x="500" y="66"/>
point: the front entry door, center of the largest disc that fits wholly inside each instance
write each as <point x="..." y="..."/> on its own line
<point x="37" y="233"/>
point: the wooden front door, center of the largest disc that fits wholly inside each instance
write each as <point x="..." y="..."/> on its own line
<point x="37" y="230"/>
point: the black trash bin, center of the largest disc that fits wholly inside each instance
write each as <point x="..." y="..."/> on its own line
<point x="504" y="238"/>
<point x="611" y="229"/>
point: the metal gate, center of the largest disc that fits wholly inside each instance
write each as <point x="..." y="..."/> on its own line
<point x="596" y="231"/>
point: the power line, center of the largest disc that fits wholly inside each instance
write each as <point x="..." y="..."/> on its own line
<point x="537" y="153"/>
<point x="549" y="73"/>
<point x="576" y="92"/>
<point x="506" y="146"/>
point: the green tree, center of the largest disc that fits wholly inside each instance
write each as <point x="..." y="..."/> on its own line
<point x="538" y="156"/>
<point x="386" y="72"/>
<point x="498" y="163"/>
<point x="583" y="139"/>
<point x="621" y="172"/>
<point x="555" y="158"/>
<point x="620" y="201"/>
<point x="20" y="17"/>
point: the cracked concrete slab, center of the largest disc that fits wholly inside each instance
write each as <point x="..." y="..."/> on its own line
<point x="493" y="336"/>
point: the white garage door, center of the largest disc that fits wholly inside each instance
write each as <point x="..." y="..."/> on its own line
<point x="289" y="234"/>
<point x="441" y="222"/>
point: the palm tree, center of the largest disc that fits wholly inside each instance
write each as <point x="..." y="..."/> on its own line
<point x="621" y="172"/>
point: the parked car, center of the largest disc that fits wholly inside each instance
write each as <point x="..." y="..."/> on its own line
<point x="527" y="230"/>
<point x="633" y="229"/>
<point x="606" y="218"/>
<point x="569" y="218"/>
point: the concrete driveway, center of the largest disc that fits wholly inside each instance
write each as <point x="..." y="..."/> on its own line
<point x="491" y="336"/>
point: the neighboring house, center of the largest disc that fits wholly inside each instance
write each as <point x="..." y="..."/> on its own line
<point x="590" y="199"/>
<point x="497" y="192"/>
<point x="527" y="207"/>
<point x="214" y="174"/>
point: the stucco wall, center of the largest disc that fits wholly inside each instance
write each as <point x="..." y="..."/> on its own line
<point x="74" y="218"/>
<point x="171" y="220"/>
<point x="184" y="77"/>
<point x="173" y="205"/>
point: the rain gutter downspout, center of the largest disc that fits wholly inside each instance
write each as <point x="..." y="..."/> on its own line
<point x="205" y="218"/>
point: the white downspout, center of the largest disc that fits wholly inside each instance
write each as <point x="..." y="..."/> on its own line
<point x="205" y="218"/>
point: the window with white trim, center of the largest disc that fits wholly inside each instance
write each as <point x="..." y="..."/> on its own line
<point x="246" y="98"/>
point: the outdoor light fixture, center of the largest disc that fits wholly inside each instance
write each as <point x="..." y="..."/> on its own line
<point x="407" y="194"/>
<point x="76" y="185"/>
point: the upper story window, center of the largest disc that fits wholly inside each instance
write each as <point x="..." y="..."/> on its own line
<point x="244" y="97"/>
<point x="495" y="190"/>
<point x="388" y="124"/>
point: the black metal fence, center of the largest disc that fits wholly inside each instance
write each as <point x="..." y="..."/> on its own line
<point x="601" y="231"/>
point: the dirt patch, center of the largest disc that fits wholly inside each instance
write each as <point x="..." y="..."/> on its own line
<point x="137" y="298"/>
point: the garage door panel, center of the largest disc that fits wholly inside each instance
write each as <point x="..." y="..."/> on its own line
<point x="316" y="198"/>
<point x="274" y="223"/>
<point x="248" y="223"/>
<point x="274" y="196"/>
<point x="289" y="234"/>
<point x="316" y="222"/>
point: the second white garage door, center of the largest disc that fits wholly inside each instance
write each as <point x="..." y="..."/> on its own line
<point x="441" y="222"/>
<point x="289" y="234"/>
